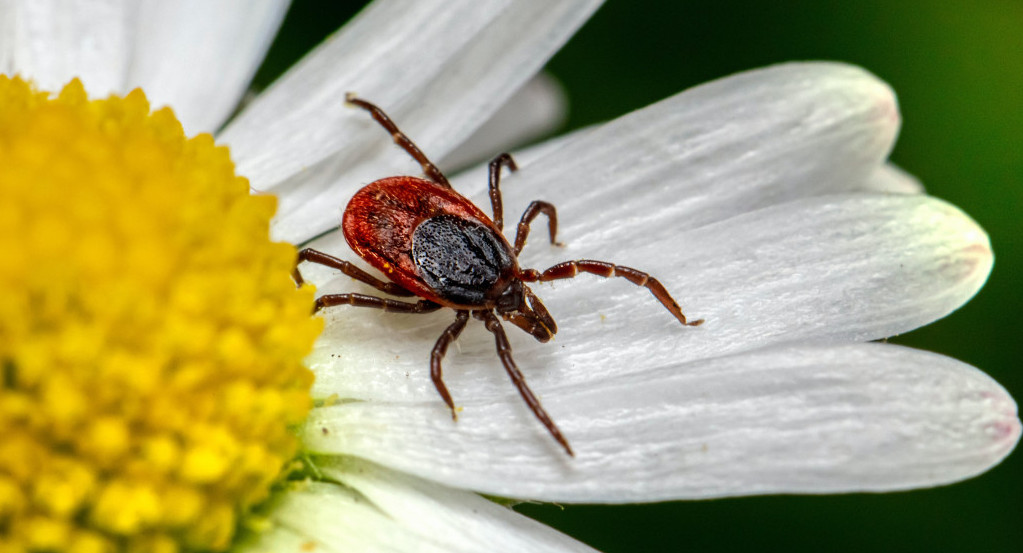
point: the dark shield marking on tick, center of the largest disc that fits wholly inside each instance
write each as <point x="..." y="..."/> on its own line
<point x="462" y="260"/>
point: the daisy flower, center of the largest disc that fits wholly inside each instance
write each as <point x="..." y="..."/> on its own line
<point x="152" y="340"/>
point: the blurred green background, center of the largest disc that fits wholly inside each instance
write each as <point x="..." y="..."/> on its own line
<point x="957" y="67"/>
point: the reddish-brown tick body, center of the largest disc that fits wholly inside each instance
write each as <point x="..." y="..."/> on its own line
<point x="398" y="225"/>
<point x="433" y="243"/>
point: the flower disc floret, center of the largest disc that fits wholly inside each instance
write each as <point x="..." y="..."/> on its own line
<point x="151" y="340"/>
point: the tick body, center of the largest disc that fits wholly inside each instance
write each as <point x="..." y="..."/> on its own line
<point x="429" y="240"/>
<point x="433" y="243"/>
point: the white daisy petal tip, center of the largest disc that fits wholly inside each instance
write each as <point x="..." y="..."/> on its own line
<point x="889" y="178"/>
<point x="962" y="250"/>
<point x="846" y="267"/>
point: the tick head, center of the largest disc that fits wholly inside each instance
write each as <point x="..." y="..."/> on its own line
<point x="519" y="306"/>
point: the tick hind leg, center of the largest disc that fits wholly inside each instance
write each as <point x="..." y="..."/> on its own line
<point x="450" y="334"/>
<point x="431" y="170"/>
<point x="504" y="351"/>
<point x="350" y="269"/>
<point x="570" y="269"/>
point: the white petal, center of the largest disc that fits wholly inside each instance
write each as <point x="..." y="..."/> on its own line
<point x="52" y="41"/>
<point x="439" y="81"/>
<point x="537" y="108"/>
<point x="746" y="141"/>
<point x="851" y="268"/>
<point x="793" y="419"/>
<point x="376" y="509"/>
<point x="892" y="179"/>
<point x="198" y="56"/>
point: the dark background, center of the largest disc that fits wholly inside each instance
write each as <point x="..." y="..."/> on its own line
<point x="958" y="70"/>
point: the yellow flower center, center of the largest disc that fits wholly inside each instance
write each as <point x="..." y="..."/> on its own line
<point x="150" y="336"/>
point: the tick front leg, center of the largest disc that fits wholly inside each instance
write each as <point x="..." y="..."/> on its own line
<point x="535" y="208"/>
<point x="504" y="351"/>
<point x="495" y="191"/>
<point x="348" y="268"/>
<point x="439" y="350"/>
<point x="431" y="170"/>
<point x="570" y="269"/>
<point x="362" y="300"/>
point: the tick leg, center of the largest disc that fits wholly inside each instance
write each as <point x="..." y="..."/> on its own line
<point x="493" y="324"/>
<point x="495" y="181"/>
<point x="534" y="209"/>
<point x="350" y="269"/>
<point x="570" y="269"/>
<point x="362" y="300"/>
<point x="439" y="349"/>
<point x="431" y="170"/>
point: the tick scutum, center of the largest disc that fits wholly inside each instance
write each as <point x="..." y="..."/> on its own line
<point x="464" y="260"/>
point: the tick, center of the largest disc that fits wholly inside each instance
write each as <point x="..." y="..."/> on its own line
<point x="433" y="243"/>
